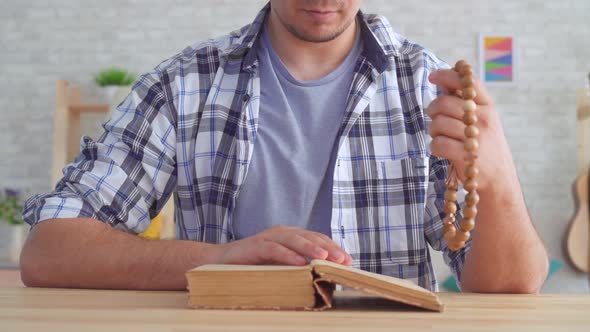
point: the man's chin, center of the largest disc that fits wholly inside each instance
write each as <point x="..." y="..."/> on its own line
<point x="318" y="39"/>
<point x="315" y="36"/>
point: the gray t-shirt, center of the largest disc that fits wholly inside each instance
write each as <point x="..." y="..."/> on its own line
<point x="290" y="177"/>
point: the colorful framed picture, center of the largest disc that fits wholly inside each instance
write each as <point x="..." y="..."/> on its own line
<point x="498" y="59"/>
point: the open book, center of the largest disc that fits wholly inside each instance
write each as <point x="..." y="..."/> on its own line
<point x="307" y="287"/>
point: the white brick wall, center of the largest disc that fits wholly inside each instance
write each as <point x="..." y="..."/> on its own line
<point x="42" y="41"/>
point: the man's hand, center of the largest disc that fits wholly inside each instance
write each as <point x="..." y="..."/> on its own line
<point x="497" y="261"/>
<point x="448" y="132"/>
<point x="283" y="245"/>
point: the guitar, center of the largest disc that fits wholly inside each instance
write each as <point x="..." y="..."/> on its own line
<point x="578" y="239"/>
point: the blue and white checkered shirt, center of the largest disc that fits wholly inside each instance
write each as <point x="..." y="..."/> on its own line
<point x="188" y="128"/>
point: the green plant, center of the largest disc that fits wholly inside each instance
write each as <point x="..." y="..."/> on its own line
<point x="115" y="76"/>
<point x="11" y="207"/>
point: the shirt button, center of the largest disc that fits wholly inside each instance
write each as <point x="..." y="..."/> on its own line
<point x="245" y="98"/>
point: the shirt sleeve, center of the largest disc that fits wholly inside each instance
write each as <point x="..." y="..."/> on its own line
<point x="125" y="177"/>
<point x="439" y="167"/>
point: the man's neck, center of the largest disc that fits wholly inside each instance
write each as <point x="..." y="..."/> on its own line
<point x="308" y="60"/>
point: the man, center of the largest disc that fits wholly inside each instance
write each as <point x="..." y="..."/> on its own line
<point x="303" y="135"/>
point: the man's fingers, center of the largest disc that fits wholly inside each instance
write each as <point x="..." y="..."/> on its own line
<point x="308" y="244"/>
<point x="451" y="106"/>
<point x="443" y="125"/>
<point x="447" y="148"/>
<point x="450" y="80"/>
<point x="335" y="253"/>
<point x="276" y="253"/>
<point x="303" y="246"/>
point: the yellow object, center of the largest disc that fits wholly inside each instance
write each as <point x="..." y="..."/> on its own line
<point x="153" y="231"/>
<point x="162" y="226"/>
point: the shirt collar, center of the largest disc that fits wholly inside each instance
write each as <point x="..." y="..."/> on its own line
<point x="379" y="41"/>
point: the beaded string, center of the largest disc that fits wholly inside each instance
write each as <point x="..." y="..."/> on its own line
<point x="454" y="238"/>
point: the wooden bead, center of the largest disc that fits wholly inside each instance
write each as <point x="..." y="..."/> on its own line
<point x="452" y="244"/>
<point x="471" y="171"/>
<point x="450" y="196"/>
<point x="449" y="228"/>
<point x="460" y="65"/>
<point x="467" y="225"/>
<point x="469" y="93"/>
<point x="462" y="236"/>
<point x="471" y="144"/>
<point x="450" y="207"/>
<point x="469" y="212"/>
<point x="470" y="185"/>
<point x="455" y="245"/>
<point x="471" y="131"/>
<point x="472" y="198"/>
<point x="449" y="220"/>
<point x="468" y="81"/>
<point x="456" y="239"/>
<point x="450" y="233"/>
<point x="469" y="106"/>
<point x="471" y="157"/>
<point x="469" y="118"/>
<point x="467" y="70"/>
<point x="453" y="185"/>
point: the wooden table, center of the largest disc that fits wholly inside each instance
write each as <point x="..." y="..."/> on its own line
<point x="23" y="309"/>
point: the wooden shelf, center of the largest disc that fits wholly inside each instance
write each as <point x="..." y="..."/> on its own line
<point x="89" y="108"/>
<point x="66" y="125"/>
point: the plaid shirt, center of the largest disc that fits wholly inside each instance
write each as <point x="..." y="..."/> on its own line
<point x="189" y="128"/>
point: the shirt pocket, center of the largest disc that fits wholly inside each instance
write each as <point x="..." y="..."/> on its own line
<point x="400" y="190"/>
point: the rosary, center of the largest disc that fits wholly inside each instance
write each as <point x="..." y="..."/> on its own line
<point x="454" y="238"/>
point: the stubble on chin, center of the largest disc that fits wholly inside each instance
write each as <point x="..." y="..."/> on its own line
<point x="299" y="32"/>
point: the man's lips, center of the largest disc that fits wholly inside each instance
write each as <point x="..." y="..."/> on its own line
<point x="321" y="15"/>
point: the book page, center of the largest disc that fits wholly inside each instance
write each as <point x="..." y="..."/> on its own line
<point x="392" y="288"/>
<point x="388" y="279"/>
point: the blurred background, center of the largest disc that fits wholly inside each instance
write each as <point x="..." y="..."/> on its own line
<point x="544" y="113"/>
